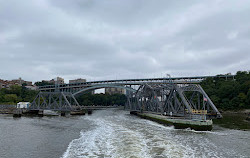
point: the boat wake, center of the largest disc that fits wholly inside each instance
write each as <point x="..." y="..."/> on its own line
<point x="117" y="135"/>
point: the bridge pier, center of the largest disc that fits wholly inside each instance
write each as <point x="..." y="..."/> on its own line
<point x="63" y="113"/>
<point x="40" y="113"/>
<point x="90" y="112"/>
<point x="17" y="113"/>
<point x="77" y="112"/>
<point x="133" y="112"/>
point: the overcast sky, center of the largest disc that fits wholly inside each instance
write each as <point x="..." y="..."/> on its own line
<point x="114" y="39"/>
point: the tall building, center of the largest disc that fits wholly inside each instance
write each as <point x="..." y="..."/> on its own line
<point x="79" y="80"/>
<point x="57" y="80"/>
<point x="19" y="81"/>
<point x="112" y="91"/>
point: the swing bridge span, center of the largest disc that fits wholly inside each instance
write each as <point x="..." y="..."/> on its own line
<point x="179" y="96"/>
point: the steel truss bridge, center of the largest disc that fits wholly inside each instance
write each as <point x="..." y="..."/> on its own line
<point x="182" y="96"/>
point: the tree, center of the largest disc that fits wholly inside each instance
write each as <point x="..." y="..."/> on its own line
<point x="15" y="89"/>
<point x="43" y="83"/>
<point x="229" y="94"/>
<point x="11" y="98"/>
<point x="242" y="76"/>
<point x="248" y="99"/>
<point x="102" y="99"/>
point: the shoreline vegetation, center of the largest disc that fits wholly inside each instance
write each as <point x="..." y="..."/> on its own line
<point x="238" y="120"/>
<point x="230" y="94"/>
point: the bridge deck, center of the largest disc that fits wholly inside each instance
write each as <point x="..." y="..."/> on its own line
<point x="175" y="80"/>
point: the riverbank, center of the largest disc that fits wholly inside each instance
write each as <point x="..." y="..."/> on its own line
<point x="234" y="120"/>
<point x="7" y="109"/>
<point x="243" y="111"/>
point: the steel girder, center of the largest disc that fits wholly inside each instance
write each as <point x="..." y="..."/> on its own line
<point x="164" y="98"/>
<point x="93" y="87"/>
<point x="66" y="101"/>
<point x="58" y="101"/>
<point x="172" y="99"/>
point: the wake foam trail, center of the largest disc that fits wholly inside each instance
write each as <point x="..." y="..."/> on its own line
<point x="93" y="143"/>
<point x="121" y="136"/>
<point x="117" y="135"/>
<point x="104" y="141"/>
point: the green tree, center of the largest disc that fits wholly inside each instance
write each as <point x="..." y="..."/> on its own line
<point x="242" y="76"/>
<point x="15" y="89"/>
<point x="248" y="99"/>
<point x="11" y="98"/>
<point x="43" y="83"/>
<point x="102" y="99"/>
<point x="230" y="93"/>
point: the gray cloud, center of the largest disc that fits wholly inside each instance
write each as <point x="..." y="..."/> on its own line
<point x="122" y="39"/>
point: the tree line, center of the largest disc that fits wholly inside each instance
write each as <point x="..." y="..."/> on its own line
<point x="101" y="99"/>
<point x="229" y="94"/>
<point x="16" y="94"/>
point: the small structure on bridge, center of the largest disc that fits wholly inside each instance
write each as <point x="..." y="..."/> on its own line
<point x="23" y="105"/>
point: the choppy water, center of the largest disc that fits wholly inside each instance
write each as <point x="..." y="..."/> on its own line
<point x="114" y="133"/>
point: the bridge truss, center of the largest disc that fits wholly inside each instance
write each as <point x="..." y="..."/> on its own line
<point x="170" y="97"/>
<point x="58" y="101"/>
<point x="185" y="100"/>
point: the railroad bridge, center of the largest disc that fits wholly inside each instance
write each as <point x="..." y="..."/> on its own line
<point x="180" y="96"/>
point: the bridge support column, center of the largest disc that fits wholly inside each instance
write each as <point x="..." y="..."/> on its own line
<point x="63" y="113"/>
<point x="40" y="113"/>
<point x="90" y="112"/>
<point x="17" y="113"/>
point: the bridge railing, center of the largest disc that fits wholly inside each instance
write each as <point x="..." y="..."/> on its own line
<point x="195" y="79"/>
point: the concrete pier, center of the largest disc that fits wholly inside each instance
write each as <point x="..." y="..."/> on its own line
<point x="40" y="113"/>
<point x="178" y="123"/>
<point x="79" y="112"/>
<point x="17" y="113"/>
<point x="90" y="112"/>
<point x="63" y="113"/>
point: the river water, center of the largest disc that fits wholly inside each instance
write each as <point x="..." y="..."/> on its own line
<point x="113" y="133"/>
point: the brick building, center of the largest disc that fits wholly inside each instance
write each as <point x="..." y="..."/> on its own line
<point x="79" y="80"/>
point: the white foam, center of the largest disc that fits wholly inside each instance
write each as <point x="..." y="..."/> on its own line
<point x="122" y="136"/>
<point x="112" y="139"/>
<point x="90" y="144"/>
